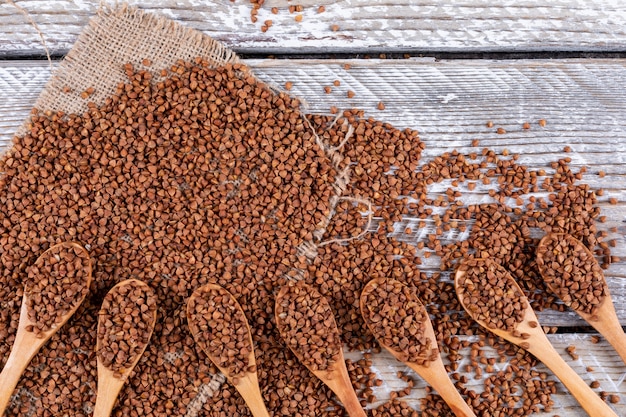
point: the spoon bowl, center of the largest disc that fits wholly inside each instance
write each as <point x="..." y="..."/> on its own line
<point x="335" y="375"/>
<point x="603" y="318"/>
<point x="111" y="378"/>
<point x="28" y="342"/>
<point x="523" y="330"/>
<point x="430" y="367"/>
<point x="243" y="377"/>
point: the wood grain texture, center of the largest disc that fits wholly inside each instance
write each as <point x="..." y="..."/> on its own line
<point x="364" y="26"/>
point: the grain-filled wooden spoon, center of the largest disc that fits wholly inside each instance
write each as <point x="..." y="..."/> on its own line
<point x="55" y="286"/>
<point x="572" y="273"/>
<point x="493" y="299"/>
<point x="220" y="328"/>
<point x="399" y="321"/>
<point x="306" y="323"/>
<point x="126" y="321"/>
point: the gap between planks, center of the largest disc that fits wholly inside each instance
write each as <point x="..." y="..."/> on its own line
<point x="362" y="26"/>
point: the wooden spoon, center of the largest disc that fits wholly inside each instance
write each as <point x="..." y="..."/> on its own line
<point x="432" y="370"/>
<point x="247" y="384"/>
<point x="604" y="319"/>
<point x="336" y="376"/>
<point x="535" y="341"/>
<point x="27" y="343"/>
<point x="110" y="382"/>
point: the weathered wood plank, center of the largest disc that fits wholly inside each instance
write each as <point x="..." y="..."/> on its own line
<point x="364" y="26"/>
<point x="449" y="103"/>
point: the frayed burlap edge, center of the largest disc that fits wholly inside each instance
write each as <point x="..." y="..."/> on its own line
<point x="121" y="34"/>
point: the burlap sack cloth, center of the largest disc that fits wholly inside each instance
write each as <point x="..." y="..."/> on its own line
<point x="120" y="35"/>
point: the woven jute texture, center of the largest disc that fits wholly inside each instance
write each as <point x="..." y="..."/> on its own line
<point x="116" y="36"/>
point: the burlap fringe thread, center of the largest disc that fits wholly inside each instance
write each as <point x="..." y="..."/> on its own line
<point x="120" y="34"/>
<point x="309" y="249"/>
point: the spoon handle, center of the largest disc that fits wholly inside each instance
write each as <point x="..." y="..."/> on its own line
<point x="108" y="389"/>
<point x="25" y="347"/>
<point x="350" y="401"/>
<point x="608" y="325"/>
<point x="617" y="339"/>
<point x="18" y="360"/>
<point x="341" y="385"/>
<point x="436" y="375"/>
<point x="248" y="387"/>
<point x="588" y="399"/>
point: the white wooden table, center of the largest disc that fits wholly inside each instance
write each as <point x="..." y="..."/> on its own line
<point x="562" y="62"/>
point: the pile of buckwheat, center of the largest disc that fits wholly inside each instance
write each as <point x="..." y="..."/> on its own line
<point x="125" y="324"/>
<point x="398" y="319"/>
<point x="490" y="293"/>
<point x="306" y="323"/>
<point x="221" y="330"/>
<point x="203" y="176"/>
<point x="194" y="175"/>
<point x="55" y="284"/>
<point x="571" y="273"/>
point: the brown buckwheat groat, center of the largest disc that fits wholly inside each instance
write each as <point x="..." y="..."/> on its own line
<point x="488" y="291"/>
<point x="398" y="320"/>
<point x="306" y="323"/>
<point x="55" y="284"/>
<point x="571" y="272"/>
<point x="125" y="323"/>
<point x="221" y="330"/>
